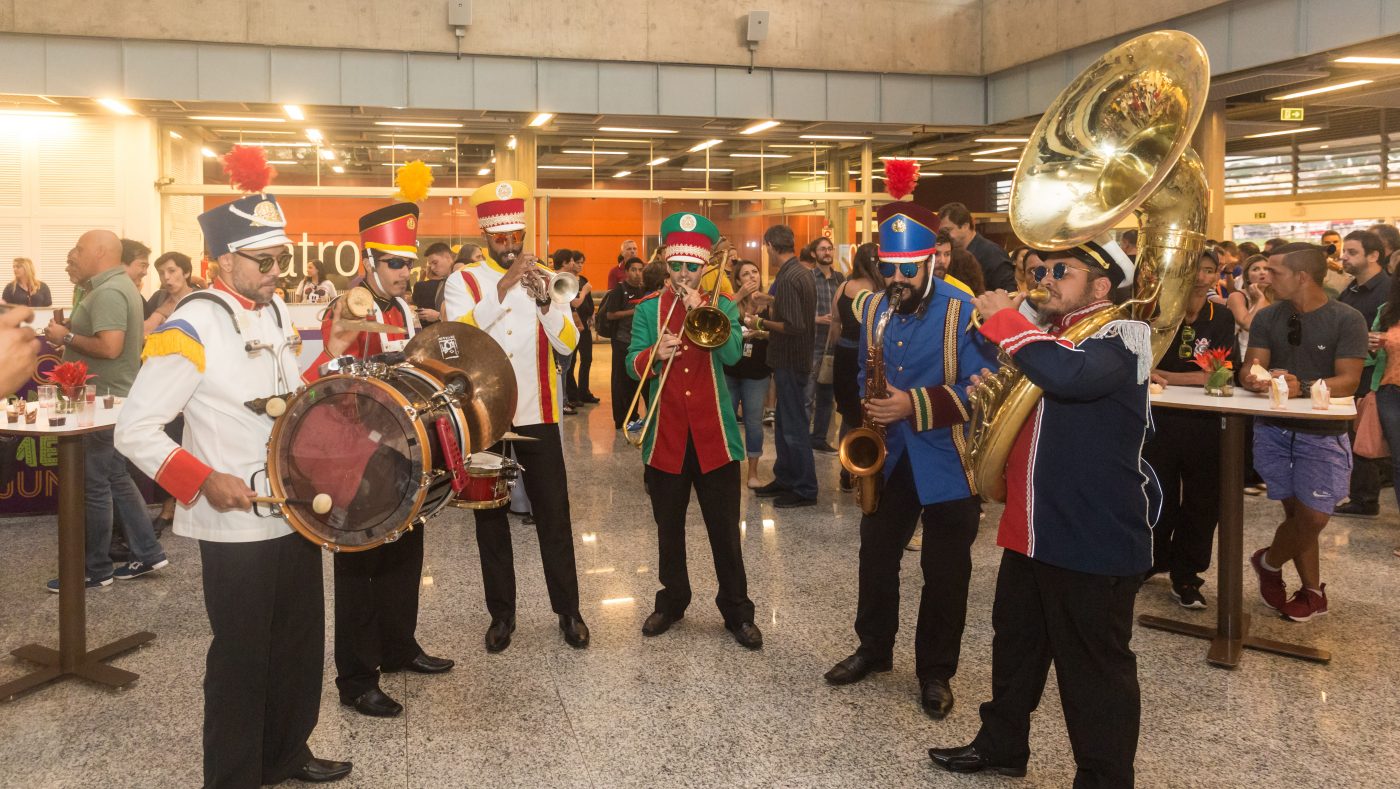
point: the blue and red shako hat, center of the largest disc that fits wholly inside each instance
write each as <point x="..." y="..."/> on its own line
<point x="908" y="232"/>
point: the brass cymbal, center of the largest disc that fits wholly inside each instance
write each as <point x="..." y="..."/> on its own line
<point x="457" y="352"/>
<point x="375" y="326"/>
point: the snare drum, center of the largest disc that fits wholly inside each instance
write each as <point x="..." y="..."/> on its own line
<point x="489" y="478"/>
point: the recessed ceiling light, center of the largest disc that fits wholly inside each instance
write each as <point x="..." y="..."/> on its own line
<point x="635" y="130"/>
<point x="990" y="151"/>
<point x="294" y="112"/>
<point x="593" y="152"/>
<point x="835" y="137"/>
<point x="622" y="173"/>
<point x="541" y="119"/>
<point x="41" y="113"/>
<point x="420" y="124"/>
<point x="658" y="161"/>
<point x="208" y="154"/>
<point x="707" y="170"/>
<point x="1373" y="61"/>
<point x="562" y="167"/>
<point x="237" y="119"/>
<point x="1282" y="132"/>
<point x="998" y="161"/>
<point x="314" y="135"/>
<point x="1324" y="89"/>
<point x="759" y="156"/>
<point x="116" y="106"/>
<point x="338" y="170"/>
<point x="706" y="145"/>
<point x="759" y="127"/>
<point x="484" y="171"/>
<point x="1003" y="139"/>
<point x="414" y="147"/>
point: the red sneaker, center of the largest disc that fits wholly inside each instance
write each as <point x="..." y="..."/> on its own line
<point x="1271" y="587"/>
<point x="1305" y="604"/>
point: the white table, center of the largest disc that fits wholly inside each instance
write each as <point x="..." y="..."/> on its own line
<point x="1230" y="636"/>
<point x="72" y="658"/>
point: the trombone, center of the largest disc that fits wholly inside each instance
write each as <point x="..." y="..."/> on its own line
<point x="706" y="326"/>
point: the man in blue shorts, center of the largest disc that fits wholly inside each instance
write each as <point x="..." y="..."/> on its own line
<point x="1305" y="337"/>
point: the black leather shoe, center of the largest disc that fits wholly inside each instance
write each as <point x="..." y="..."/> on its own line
<point x="159" y="525"/>
<point x="321" y="771"/>
<point x="423" y="664"/>
<point x="659" y="622"/>
<point x="770" y="490"/>
<point x="968" y="759"/>
<point x="498" y="634"/>
<point x="575" y="631"/>
<point x="855" y="668"/>
<point x="374" y="703"/>
<point x="936" y="697"/>
<point x="790" y="500"/>
<point x="747" y="634"/>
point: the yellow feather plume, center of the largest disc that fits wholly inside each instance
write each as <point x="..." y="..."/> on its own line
<point x="413" y="180"/>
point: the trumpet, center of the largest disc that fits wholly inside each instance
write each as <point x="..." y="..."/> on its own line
<point x="560" y="287"/>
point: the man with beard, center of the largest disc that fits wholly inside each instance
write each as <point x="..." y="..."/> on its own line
<point x="262" y="581"/>
<point x="821" y="399"/>
<point x="376" y="591"/>
<point x="923" y="325"/>
<point x="493" y="296"/>
<point x="1076" y="530"/>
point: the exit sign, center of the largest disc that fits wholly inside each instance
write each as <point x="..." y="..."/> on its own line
<point x="1290" y="114"/>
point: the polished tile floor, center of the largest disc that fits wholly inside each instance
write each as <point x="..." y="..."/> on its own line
<point x="692" y="708"/>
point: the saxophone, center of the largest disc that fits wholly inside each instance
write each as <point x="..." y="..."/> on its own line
<point x="1114" y="143"/>
<point x="862" y="451"/>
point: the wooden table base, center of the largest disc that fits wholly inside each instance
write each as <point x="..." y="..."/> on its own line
<point x="1225" y="651"/>
<point x="90" y="666"/>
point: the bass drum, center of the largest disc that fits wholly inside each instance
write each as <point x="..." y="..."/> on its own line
<point x="381" y="446"/>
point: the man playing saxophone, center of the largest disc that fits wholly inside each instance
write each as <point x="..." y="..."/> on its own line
<point x="916" y="334"/>
<point x="1076" y="529"/>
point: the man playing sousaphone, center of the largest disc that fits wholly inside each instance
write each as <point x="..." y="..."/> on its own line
<point x="376" y="591"/>
<point x="507" y="295"/>
<point x="1076" y="531"/>
<point x="925" y="359"/>
<point x="691" y="439"/>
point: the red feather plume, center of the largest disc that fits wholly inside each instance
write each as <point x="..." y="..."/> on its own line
<point x="900" y="177"/>
<point x="247" y="168"/>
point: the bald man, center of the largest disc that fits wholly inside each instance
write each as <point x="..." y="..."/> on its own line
<point x="106" y="333"/>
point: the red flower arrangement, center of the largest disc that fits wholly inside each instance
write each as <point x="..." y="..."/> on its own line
<point x="70" y="376"/>
<point x="1219" y="369"/>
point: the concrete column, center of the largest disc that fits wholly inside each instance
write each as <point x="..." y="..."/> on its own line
<point x="1209" y="142"/>
<point x="519" y="165"/>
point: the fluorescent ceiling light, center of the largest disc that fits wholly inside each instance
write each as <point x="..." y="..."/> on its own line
<point x="706" y="145"/>
<point x="835" y="137"/>
<point x="314" y="135"/>
<point x="632" y="141"/>
<point x="811" y="146"/>
<point x="174" y="135"/>
<point x="1003" y="139"/>
<point x="271" y="144"/>
<point x="294" y="112"/>
<point x="998" y="161"/>
<point x="1373" y="61"/>
<point x="42" y="113"/>
<point x="484" y="171"/>
<point x="338" y="170"/>
<point x="208" y="154"/>
<point x="990" y="151"/>
<point x="909" y="158"/>
<point x="622" y="173"/>
<point x="808" y="172"/>
<point x="1324" y="89"/>
<point x="252" y="131"/>
<point x="658" y="161"/>
<point x="707" y="170"/>
<point x="593" y="152"/>
<point x="236" y="119"/>
<point x="541" y="119"/>
<point x="562" y="167"/>
<point x="116" y="106"/>
<point x="635" y="130"/>
<point x="747" y="186"/>
<point x="1282" y="132"/>
<point x="400" y="164"/>
<point x="327" y="154"/>
<point x="759" y="156"/>
<point x="399" y="135"/>
<point x="414" y="147"/>
<point x="420" y="124"/>
<point x="281" y="161"/>
<point x="759" y="127"/>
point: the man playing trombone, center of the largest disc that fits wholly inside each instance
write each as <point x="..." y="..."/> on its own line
<point x="513" y="298"/>
<point x="691" y="437"/>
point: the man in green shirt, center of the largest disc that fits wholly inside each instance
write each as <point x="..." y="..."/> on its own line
<point x="106" y="334"/>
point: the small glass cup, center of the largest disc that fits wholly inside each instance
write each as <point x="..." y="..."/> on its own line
<point x="90" y="393"/>
<point x="48" y="395"/>
<point x="86" y="414"/>
<point x="12" y="411"/>
<point x="109" y="399"/>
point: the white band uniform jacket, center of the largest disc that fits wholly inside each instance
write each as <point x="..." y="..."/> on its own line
<point x="524" y="330"/>
<point x="196" y="364"/>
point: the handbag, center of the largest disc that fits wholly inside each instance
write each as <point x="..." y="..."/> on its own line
<point x="1370" y="438"/>
<point x="824" y="373"/>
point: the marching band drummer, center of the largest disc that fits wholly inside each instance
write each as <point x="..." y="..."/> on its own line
<point x="693" y="437"/>
<point x="262" y="582"/>
<point x="506" y="296"/>
<point x="929" y="359"/>
<point x="376" y="591"/>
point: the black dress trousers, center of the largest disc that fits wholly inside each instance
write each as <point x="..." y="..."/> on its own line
<point x="546" y="482"/>
<point x="376" y="611"/>
<point x="718" y="494"/>
<point x="262" y="678"/>
<point x="624" y="386"/>
<point x="950" y="527"/>
<point x="1082" y="623"/>
<point x="1185" y="453"/>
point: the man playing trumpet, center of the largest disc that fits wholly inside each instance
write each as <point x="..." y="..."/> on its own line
<point x="691" y="438"/>
<point x="929" y="357"/>
<point x="508" y="296"/>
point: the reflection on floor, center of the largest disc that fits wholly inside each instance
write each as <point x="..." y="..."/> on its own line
<point x="692" y="708"/>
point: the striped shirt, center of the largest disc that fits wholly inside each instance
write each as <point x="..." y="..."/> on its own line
<point x="826" y="288"/>
<point x="795" y="307"/>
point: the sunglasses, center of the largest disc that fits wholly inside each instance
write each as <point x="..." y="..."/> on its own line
<point x="1295" y="330"/>
<point x="1057" y="272"/>
<point x="267" y="263"/>
<point x="690" y="266"/>
<point x="1188" y="343"/>
<point x="908" y="270"/>
<point x="513" y="237"/>
<point x="395" y="263"/>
